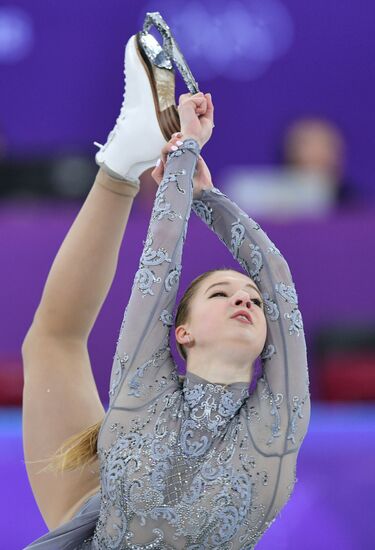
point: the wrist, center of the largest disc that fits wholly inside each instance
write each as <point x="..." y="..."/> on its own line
<point x="198" y="191"/>
<point x="188" y="135"/>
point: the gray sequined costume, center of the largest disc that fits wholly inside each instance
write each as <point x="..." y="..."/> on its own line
<point x="192" y="464"/>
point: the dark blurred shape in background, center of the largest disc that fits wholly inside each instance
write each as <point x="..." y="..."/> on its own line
<point x="63" y="177"/>
<point x="345" y="362"/>
<point x="11" y="380"/>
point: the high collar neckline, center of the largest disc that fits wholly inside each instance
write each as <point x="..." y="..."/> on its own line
<point x="195" y="379"/>
<point x="212" y="406"/>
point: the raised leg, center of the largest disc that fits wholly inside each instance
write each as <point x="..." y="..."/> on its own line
<point x="85" y="265"/>
<point x="60" y="397"/>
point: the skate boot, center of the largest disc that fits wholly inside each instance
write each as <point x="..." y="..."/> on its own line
<point x="148" y="115"/>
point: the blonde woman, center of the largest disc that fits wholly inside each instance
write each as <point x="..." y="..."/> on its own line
<point x="193" y="463"/>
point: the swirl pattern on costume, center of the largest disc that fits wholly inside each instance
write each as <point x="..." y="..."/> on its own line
<point x="196" y="465"/>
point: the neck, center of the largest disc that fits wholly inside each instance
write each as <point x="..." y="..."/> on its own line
<point x="220" y="369"/>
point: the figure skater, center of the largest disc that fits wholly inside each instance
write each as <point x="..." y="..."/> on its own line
<point x="197" y="462"/>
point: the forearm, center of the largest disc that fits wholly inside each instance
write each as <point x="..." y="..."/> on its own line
<point x="283" y="390"/>
<point x="85" y="265"/>
<point x="142" y="345"/>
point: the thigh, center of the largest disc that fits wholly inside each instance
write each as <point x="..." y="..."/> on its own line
<point x="60" y="398"/>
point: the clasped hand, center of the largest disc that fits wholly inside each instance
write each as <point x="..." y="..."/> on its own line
<point x="196" y="117"/>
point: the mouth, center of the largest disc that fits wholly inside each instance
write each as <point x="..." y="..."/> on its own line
<point x="243" y="317"/>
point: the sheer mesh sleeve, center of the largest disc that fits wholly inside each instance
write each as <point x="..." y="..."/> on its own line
<point x="278" y="411"/>
<point x="143" y="365"/>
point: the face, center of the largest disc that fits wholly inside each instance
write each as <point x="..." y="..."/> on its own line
<point x="218" y="298"/>
<point x="318" y="146"/>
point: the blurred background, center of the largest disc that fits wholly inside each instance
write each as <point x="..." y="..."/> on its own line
<point x="293" y="85"/>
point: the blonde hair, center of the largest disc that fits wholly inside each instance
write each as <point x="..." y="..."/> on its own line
<point x="81" y="448"/>
<point x="78" y="450"/>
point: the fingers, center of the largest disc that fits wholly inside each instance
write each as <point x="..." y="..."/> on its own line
<point x="184" y="97"/>
<point x="210" y="107"/>
<point x="158" y="171"/>
<point x="197" y="98"/>
<point x="168" y="147"/>
<point x="198" y="101"/>
<point x="201" y="104"/>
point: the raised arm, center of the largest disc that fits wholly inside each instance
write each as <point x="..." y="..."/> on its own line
<point x="143" y="365"/>
<point x="278" y="411"/>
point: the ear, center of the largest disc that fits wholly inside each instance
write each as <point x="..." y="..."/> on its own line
<point x="182" y="335"/>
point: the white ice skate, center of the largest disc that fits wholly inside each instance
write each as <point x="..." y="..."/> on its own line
<point x="148" y="115"/>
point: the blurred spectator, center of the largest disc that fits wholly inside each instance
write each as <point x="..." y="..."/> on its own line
<point x="309" y="180"/>
<point x="316" y="145"/>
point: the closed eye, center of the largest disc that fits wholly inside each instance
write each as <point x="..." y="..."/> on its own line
<point x="255" y="301"/>
<point x="217" y="293"/>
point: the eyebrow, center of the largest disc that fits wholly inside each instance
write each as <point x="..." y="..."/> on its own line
<point x="225" y="283"/>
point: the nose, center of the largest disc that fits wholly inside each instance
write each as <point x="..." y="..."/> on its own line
<point x="242" y="298"/>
